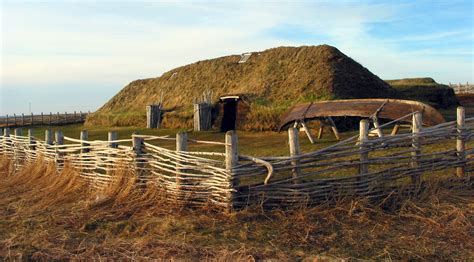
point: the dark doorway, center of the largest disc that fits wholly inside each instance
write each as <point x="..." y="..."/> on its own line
<point x="229" y="116"/>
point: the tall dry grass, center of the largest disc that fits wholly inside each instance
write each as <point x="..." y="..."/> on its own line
<point x="47" y="215"/>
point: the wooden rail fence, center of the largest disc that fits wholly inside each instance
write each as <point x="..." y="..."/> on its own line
<point x="462" y="88"/>
<point x="358" y="166"/>
<point x="42" y="119"/>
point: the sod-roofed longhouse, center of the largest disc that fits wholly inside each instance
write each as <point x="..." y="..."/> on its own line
<point x="257" y="91"/>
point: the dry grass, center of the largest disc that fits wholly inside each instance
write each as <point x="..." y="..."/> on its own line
<point x="44" y="215"/>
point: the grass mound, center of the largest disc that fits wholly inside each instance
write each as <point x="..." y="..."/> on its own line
<point x="274" y="78"/>
<point x="426" y="90"/>
<point x="48" y="216"/>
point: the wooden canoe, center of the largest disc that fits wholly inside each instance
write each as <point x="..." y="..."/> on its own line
<point x="390" y="109"/>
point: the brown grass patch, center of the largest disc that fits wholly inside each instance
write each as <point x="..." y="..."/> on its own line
<point x="45" y="215"/>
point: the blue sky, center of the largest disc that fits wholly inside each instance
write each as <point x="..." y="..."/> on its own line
<point x="75" y="55"/>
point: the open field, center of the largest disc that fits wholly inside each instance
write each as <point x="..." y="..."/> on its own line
<point x="48" y="216"/>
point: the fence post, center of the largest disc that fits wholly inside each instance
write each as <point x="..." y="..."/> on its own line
<point x="59" y="137"/>
<point x="294" y="143"/>
<point x="181" y="146"/>
<point x="84" y="137"/>
<point x="42" y="119"/>
<point x="50" y="118"/>
<point x="57" y="118"/>
<point x="48" y="137"/>
<point x="460" y="143"/>
<point x="6" y="138"/>
<point x="112" y="136"/>
<point x="65" y="117"/>
<point x="32" y="119"/>
<point x="231" y="160"/>
<point x="31" y="141"/>
<point x="7" y="120"/>
<point x="14" y="119"/>
<point x="18" y="131"/>
<point x="417" y="123"/>
<point x="364" y="153"/>
<point x="137" y="143"/>
<point x="22" y="119"/>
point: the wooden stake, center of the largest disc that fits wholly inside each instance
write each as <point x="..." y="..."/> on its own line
<point x="417" y="123"/>
<point x="307" y="131"/>
<point x="379" y="131"/>
<point x="181" y="146"/>
<point x="22" y="119"/>
<point x="18" y="132"/>
<point x="137" y="143"/>
<point x="321" y="130"/>
<point x="294" y="143"/>
<point x="231" y="160"/>
<point x="31" y="141"/>
<point x="48" y="137"/>
<point x="395" y="129"/>
<point x="334" y="128"/>
<point x="59" y="137"/>
<point x="112" y="136"/>
<point x="364" y="153"/>
<point x="84" y="137"/>
<point x="460" y="142"/>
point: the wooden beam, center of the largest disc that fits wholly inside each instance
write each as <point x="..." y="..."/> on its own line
<point x="307" y="131"/>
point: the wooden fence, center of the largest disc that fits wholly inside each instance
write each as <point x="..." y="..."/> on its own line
<point x="358" y="166"/>
<point x="462" y="88"/>
<point x="43" y="119"/>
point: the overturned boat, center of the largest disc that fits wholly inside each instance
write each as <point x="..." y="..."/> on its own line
<point x="375" y="109"/>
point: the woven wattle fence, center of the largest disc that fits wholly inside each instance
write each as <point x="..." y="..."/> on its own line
<point x="358" y="166"/>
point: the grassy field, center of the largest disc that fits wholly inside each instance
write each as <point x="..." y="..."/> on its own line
<point x="46" y="216"/>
